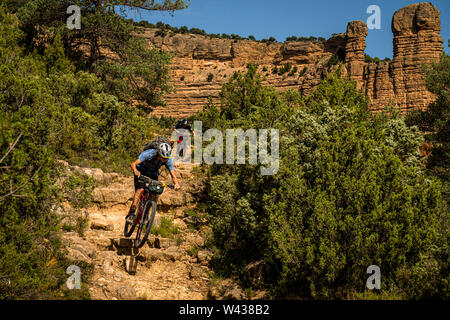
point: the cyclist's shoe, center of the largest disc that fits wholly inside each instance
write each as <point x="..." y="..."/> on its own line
<point x="130" y="218"/>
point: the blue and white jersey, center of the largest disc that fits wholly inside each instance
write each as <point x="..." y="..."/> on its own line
<point x="150" y="163"/>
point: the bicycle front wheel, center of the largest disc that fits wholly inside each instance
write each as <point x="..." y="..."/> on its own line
<point x="146" y="224"/>
<point x="129" y="227"/>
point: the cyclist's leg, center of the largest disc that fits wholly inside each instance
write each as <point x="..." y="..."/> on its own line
<point x="179" y="146"/>
<point x="153" y="175"/>
<point x="137" y="197"/>
<point x="138" y="190"/>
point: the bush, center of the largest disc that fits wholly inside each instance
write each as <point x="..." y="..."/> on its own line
<point x="293" y="71"/>
<point x="78" y="188"/>
<point x="351" y="192"/>
<point x="32" y="259"/>
<point x="376" y="60"/>
<point x="302" y="73"/>
<point x="333" y="60"/>
<point x="286" y="68"/>
<point x="166" y="229"/>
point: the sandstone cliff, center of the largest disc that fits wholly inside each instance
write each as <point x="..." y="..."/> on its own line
<point x="201" y="65"/>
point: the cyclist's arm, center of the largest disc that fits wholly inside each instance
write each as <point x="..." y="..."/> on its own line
<point x="174" y="179"/>
<point x="191" y="130"/>
<point x="135" y="170"/>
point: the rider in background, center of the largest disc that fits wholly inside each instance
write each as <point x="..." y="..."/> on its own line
<point x="182" y="124"/>
<point x="148" y="164"/>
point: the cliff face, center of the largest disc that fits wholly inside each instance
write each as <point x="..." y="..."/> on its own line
<point x="201" y="65"/>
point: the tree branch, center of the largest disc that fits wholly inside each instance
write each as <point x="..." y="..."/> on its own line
<point x="12" y="192"/>
<point x="11" y="147"/>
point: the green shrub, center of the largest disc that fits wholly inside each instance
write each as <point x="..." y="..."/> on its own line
<point x="333" y="60"/>
<point x="32" y="259"/>
<point x="78" y="188"/>
<point x="166" y="229"/>
<point x="286" y="68"/>
<point x="302" y="73"/>
<point x="293" y="71"/>
<point x="351" y="192"/>
<point x="376" y="60"/>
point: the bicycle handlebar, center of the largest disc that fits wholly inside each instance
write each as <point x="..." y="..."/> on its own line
<point x="155" y="182"/>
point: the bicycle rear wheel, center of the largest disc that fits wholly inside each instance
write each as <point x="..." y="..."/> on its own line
<point x="146" y="224"/>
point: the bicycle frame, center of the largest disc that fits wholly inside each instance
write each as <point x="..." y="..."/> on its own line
<point x="144" y="198"/>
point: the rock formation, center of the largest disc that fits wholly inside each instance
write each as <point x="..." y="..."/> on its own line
<point x="416" y="41"/>
<point x="201" y="65"/>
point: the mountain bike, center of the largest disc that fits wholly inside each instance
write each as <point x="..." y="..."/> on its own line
<point x="146" y="211"/>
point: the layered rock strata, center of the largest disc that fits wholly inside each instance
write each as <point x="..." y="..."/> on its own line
<point x="201" y="65"/>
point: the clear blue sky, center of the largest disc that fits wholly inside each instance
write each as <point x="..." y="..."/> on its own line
<point x="284" y="18"/>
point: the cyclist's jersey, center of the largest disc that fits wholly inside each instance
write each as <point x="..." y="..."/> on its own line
<point x="179" y="125"/>
<point x="150" y="164"/>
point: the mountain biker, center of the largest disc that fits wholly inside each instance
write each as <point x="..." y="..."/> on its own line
<point x="182" y="124"/>
<point x="148" y="164"/>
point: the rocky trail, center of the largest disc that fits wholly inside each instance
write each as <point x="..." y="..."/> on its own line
<point x="174" y="267"/>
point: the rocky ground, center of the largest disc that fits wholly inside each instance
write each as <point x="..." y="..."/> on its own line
<point x="175" y="267"/>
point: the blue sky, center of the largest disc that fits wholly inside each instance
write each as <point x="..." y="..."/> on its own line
<point x="284" y="18"/>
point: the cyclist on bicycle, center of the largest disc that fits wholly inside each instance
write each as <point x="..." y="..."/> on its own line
<point x="148" y="164"/>
<point x="182" y="124"/>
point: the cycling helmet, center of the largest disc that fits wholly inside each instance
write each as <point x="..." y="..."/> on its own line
<point x="181" y="123"/>
<point x="165" y="150"/>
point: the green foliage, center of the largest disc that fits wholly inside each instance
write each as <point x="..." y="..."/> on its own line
<point x="285" y="68"/>
<point x="50" y="110"/>
<point x="245" y="102"/>
<point x="302" y="73"/>
<point x="166" y="229"/>
<point x="376" y="60"/>
<point x="32" y="260"/>
<point x="305" y="39"/>
<point x="435" y="120"/>
<point x="355" y="203"/>
<point x="166" y="122"/>
<point x="107" y="44"/>
<point x="80" y="226"/>
<point x="334" y="60"/>
<point x="293" y="71"/>
<point x="210" y="77"/>
<point x="268" y="41"/>
<point x="351" y="192"/>
<point x="78" y="188"/>
<point x="164" y="29"/>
